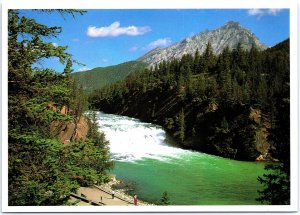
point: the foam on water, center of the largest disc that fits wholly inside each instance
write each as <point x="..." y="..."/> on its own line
<point x="131" y="139"/>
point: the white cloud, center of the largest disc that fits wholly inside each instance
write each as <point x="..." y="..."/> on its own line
<point x="55" y="44"/>
<point x="273" y="12"/>
<point x="254" y="12"/>
<point x="162" y="42"/>
<point x="83" y="69"/>
<point x="115" y="30"/>
<point x="263" y="12"/>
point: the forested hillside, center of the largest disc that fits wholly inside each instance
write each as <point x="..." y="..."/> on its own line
<point x="102" y="76"/>
<point x="41" y="169"/>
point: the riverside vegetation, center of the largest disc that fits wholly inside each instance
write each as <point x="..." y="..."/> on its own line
<point x="42" y="170"/>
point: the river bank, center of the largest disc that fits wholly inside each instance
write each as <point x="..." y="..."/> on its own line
<point x="121" y="191"/>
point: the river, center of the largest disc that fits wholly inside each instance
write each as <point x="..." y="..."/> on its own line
<point x="144" y="154"/>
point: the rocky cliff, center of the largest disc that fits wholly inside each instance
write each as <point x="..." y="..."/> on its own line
<point x="261" y="133"/>
<point x="66" y="132"/>
<point x="75" y="130"/>
<point x="229" y="35"/>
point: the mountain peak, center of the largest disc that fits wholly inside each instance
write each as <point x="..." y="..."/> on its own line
<point x="228" y="35"/>
<point x="232" y="24"/>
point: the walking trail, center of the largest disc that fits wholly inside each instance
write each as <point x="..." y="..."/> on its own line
<point x="95" y="194"/>
<point x="100" y="196"/>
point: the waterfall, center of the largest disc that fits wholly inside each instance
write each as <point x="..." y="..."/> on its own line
<point x="131" y="139"/>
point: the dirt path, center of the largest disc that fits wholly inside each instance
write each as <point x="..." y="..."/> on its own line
<point x="94" y="194"/>
<point x="101" y="196"/>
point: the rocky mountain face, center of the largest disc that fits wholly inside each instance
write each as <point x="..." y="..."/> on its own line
<point x="228" y="35"/>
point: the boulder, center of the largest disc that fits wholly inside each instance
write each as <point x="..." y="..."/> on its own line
<point x="260" y="158"/>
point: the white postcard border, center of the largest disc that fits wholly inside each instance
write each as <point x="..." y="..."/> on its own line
<point x="158" y="4"/>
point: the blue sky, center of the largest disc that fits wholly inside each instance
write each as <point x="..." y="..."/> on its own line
<point x="107" y="37"/>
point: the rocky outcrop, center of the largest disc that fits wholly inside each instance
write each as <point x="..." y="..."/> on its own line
<point x="228" y="35"/>
<point x="72" y="131"/>
<point x="75" y="130"/>
<point x="261" y="143"/>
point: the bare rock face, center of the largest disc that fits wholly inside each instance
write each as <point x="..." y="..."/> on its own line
<point x="67" y="132"/>
<point x="82" y="129"/>
<point x="261" y="135"/>
<point x="255" y="115"/>
<point x="229" y="35"/>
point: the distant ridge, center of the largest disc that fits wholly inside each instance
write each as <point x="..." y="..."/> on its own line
<point x="228" y="35"/>
<point x="101" y="76"/>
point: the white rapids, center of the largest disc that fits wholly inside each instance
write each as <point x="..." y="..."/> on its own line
<point x="131" y="140"/>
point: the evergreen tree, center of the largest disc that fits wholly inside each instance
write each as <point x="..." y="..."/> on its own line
<point x="239" y="57"/>
<point x="224" y="63"/>
<point x="165" y="199"/>
<point x="68" y="68"/>
<point x="209" y="58"/>
<point x="41" y="170"/>
<point x="277" y="181"/>
<point x="276" y="185"/>
<point x="196" y="62"/>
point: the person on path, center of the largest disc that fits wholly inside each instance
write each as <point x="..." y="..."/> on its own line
<point x="113" y="194"/>
<point x="135" y="200"/>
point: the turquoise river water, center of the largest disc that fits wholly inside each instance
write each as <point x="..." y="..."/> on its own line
<point x="145" y="155"/>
